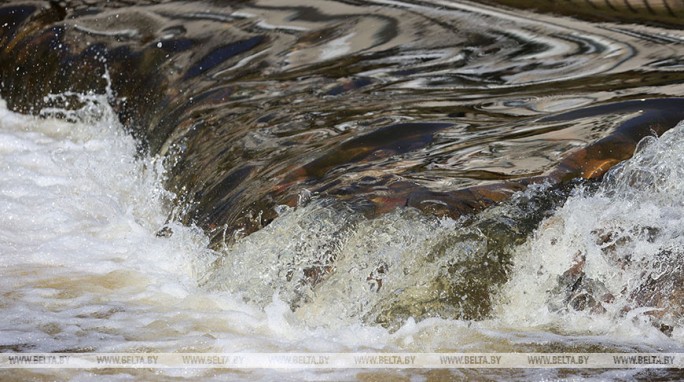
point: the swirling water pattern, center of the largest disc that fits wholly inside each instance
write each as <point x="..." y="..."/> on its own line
<point x="295" y="134"/>
<point x="267" y="91"/>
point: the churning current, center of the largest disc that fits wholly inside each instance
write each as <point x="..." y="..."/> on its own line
<point x="339" y="177"/>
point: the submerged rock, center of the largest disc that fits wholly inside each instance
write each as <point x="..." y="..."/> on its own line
<point x="657" y="293"/>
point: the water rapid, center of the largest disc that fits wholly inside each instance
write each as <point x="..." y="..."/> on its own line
<point x="339" y="176"/>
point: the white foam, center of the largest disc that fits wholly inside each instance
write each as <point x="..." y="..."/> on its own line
<point x="83" y="268"/>
<point x="621" y="229"/>
<point x="77" y="234"/>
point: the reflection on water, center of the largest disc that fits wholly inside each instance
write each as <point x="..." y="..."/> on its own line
<point x="260" y="100"/>
<point x="296" y="134"/>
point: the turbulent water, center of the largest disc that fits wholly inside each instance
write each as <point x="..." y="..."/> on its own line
<point x="339" y="177"/>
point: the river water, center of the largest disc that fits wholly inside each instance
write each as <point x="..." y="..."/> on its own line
<point x="320" y="176"/>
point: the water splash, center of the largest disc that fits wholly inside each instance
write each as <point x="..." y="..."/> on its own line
<point x="402" y="265"/>
<point x="71" y="190"/>
<point x="614" y="251"/>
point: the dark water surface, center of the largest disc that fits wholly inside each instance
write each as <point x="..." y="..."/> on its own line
<point x="356" y="124"/>
<point x="382" y="104"/>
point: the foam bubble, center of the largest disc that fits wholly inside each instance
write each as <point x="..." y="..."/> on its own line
<point x="609" y="261"/>
<point x="80" y="212"/>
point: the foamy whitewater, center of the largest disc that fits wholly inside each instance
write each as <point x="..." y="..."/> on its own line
<point x="84" y="270"/>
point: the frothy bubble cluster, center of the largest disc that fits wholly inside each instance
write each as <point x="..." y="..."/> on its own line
<point x="611" y="258"/>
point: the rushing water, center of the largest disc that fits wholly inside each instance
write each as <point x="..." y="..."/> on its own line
<point x="336" y="177"/>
